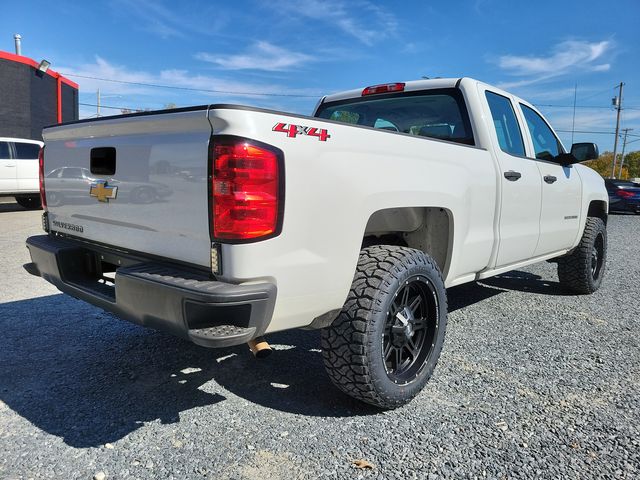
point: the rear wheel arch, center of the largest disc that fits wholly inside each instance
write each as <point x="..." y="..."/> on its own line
<point x="429" y="229"/>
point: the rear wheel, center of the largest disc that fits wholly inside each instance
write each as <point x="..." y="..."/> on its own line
<point x="583" y="270"/>
<point x="384" y="345"/>
<point x="30" y="203"/>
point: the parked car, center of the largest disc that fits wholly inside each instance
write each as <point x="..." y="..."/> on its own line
<point x="624" y="196"/>
<point x="353" y="220"/>
<point x="19" y="170"/>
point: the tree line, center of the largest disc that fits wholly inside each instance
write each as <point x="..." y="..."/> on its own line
<point x="630" y="168"/>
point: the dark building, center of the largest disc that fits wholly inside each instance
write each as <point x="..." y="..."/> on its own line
<point x="31" y="100"/>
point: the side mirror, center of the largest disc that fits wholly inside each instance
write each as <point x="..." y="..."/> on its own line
<point x="584" y="151"/>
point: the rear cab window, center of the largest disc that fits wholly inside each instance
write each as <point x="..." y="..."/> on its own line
<point x="505" y="124"/>
<point x="437" y="113"/>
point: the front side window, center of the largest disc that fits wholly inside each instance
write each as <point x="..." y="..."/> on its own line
<point x="506" y="124"/>
<point x="545" y="143"/>
<point x="437" y="113"/>
<point x="27" y="151"/>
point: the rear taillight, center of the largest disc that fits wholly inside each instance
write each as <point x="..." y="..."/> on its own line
<point x="246" y="189"/>
<point x="386" y="88"/>
<point x="624" y="193"/>
<point x="43" y="196"/>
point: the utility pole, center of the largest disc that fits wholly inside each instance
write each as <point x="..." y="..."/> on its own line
<point x="624" y="146"/>
<point x="98" y="103"/>
<point x="617" y="103"/>
<point x="573" y="123"/>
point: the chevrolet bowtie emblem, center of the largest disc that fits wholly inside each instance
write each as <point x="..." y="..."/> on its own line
<point x="102" y="191"/>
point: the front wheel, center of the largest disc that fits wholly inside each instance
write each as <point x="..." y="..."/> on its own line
<point x="384" y="345"/>
<point x="583" y="270"/>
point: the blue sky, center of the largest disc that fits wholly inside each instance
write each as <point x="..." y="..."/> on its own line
<point x="539" y="50"/>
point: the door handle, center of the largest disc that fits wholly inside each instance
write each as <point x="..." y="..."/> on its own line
<point x="550" y="178"/>
<point x="512" y="176"/>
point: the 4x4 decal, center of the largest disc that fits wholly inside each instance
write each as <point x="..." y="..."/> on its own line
<point x="294" y="130"/>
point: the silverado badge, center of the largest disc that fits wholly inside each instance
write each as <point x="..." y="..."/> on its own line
<point x="102" y="191"/>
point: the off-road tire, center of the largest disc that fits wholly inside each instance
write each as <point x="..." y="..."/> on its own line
<point x="30" y="203"/>
<point x="580" y="272"/>
<point x="353" y="346"/>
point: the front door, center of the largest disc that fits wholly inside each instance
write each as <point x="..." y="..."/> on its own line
<point x="561" y="187"/>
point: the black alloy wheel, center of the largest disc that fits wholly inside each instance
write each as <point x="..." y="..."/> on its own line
<point x="410" y="329"/>
<point x="597" y="256"/>
<point x="385" y="343"/>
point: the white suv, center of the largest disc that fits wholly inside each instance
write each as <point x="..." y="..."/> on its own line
<point x="19" y="170"/>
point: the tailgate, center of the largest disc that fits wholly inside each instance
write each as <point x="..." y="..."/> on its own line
<point x="154" y="201"/>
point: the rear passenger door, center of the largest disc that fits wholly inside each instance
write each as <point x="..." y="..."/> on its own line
<point x="520" y="183"/>
<point x="26" y="159"/>
<point x="561" y="186"/>
<point x="7" y="169"/>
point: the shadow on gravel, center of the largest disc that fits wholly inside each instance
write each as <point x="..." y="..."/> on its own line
<point x="525" y="282"/>
<point x="11" y="207"/>
<point x="81" y="374"/>
<point x="464" y="295"/>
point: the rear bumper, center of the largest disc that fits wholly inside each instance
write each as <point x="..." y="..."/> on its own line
<point x="179" y="301"/>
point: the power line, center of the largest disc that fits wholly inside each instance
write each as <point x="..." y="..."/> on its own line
<point x="191" y="89"/>
<point x="232" y="92"/>
<point x="569" y="106"/>
<point x="112" y="107"/>
<point x="594" y="132"/>
<point x="135" y="109"/>
<point x="596" y="94"/>
<point x="581" y="106"/>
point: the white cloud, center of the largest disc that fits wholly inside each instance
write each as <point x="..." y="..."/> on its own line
<point x="565" y="57"/>
<point x="197" y="89"/>
<point x="261" y="56"/>
<point x="170" y="21"/>
<point x="339" y="13"/>
<point x="590" y="120"/>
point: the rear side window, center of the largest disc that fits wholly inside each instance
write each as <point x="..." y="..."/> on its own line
<point x="545" y="143"/>
<point x="506" y="124"/>
<point x="4" y="150"/>
<point x="27" y="151"/>
<point x="438" y="113"/>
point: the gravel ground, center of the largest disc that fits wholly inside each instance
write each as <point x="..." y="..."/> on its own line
<point x="532" y="383"/>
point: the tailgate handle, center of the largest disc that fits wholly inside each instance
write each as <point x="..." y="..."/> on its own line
<point x="103" y="161"/>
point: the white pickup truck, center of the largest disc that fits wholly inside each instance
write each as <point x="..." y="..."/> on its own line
<point x="354" y="220"/>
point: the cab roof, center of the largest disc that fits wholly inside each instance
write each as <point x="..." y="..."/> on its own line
<point x="409" y="86"/>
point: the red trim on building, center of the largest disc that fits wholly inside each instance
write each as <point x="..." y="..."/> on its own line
<point x="59" y="97"/>
<point x="32" y="63"/>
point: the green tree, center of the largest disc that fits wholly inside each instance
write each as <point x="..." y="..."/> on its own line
<point x="602" y="164"/>
<point x="632" y="162"/>
<point x="630" y="169"/>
